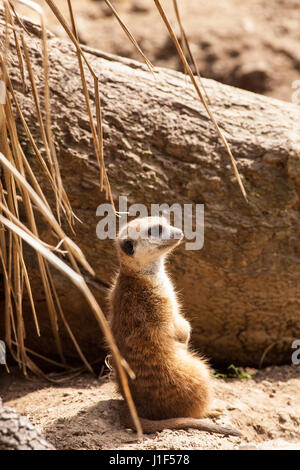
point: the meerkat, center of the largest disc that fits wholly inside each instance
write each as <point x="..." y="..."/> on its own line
<point x="172" y="388"/>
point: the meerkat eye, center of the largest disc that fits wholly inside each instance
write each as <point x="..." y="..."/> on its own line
<point x="128" y="247"/>
<point x="155" y="231"/>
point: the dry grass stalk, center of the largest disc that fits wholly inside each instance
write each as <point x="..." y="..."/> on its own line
<point x="202" y="98"/>
<point x="97" y="136"/>
<point x="79" y="281"/>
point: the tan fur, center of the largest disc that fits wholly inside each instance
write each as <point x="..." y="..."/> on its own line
<point x="152" y="335"/>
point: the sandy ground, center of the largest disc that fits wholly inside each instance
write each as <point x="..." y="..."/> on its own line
<point x="82" y="413"/>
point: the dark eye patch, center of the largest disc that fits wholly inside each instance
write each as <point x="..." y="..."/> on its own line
<point x="155" y="231"/>
<point x="127" y="246"/>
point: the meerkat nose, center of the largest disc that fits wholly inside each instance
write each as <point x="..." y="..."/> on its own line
<point x="176" y="233"/>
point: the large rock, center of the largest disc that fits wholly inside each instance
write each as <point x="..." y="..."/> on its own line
<point x="241" y="291"/>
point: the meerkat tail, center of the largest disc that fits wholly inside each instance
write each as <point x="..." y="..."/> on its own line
<point x="150" y="426"/>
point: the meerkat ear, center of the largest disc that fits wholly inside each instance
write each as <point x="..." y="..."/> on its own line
<point x="127" y="246"/>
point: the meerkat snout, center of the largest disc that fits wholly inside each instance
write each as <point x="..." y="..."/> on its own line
<point x="147" y="239"/>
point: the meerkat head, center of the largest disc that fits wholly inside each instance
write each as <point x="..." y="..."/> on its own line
<point x="144" y="241"/>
